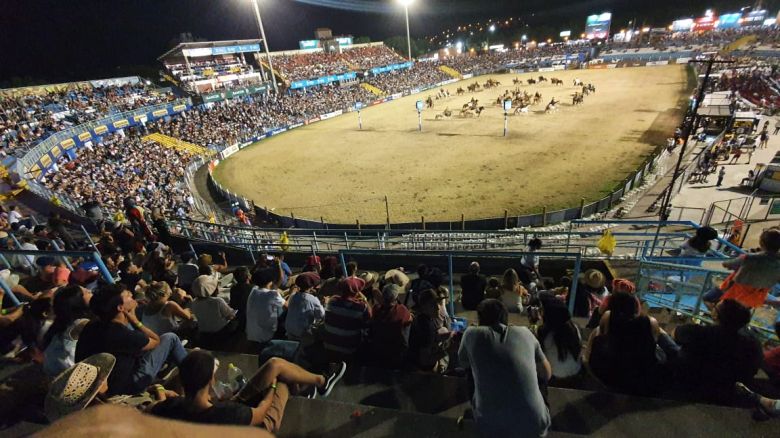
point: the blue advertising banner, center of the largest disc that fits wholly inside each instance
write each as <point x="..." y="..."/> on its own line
<point x="323" y="80"/>
<point x="235" y="49"/>
<point x="392" y="67"/>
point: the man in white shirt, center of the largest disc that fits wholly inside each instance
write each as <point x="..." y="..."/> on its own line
<point x="14" y="216"/>
<point x="265" y="304"/>
<point x="304" y="309"/>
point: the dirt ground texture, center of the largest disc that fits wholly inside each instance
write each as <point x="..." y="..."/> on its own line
<point x="457" y="166"/>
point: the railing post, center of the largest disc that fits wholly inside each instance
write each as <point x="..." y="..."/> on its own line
<point x="574" y="281"/>
<point x="451" y="304"/>
<point x="89" y="238"/>
<point x="316" y="245"/>
<point x="64" y="258"/>
<point x="346" y="240"/>
<point x="9" y="293"/>
<point x="378" y="241"/>
<point x="102" y="268"/>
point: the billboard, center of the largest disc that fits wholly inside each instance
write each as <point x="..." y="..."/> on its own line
<point x="729" y="21"/>
<point x="683" y="25"/>
<point x="308" y="44"/>
<point x="754" y="18"/>
<point x="704" y="23"/>
<point x="597" y="25"/>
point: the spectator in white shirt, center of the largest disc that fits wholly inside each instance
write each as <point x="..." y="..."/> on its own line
<point x="213" y="313"/>
<point x="304" y="309"/>
<point x="265" y="304"/>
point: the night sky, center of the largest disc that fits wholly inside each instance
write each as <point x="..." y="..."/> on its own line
<point x="49" y="41"/>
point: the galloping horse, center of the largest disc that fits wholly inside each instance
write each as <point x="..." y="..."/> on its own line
<point x="577" y="82"/>
<point x="551" y="106"/>
<point x="531" y="81"/>
<point x="460" y="91"/>
<point x="556" y="81"/>
<point x="429" y="102"/>
<point x="542" y="79"/>
<point x="537" y="97"/>
<point x="516" y="81"/>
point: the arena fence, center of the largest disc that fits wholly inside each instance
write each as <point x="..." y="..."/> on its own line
<point x="634" y="239"/>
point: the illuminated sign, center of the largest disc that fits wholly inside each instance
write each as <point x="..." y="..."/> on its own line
<point x="728" y="21"/>
<point x="684" y="25"/>
<point x="597" y="25"/>
<point x="565" y="34"/>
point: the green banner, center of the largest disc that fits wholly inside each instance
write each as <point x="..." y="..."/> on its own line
<point x="775" y="209"/>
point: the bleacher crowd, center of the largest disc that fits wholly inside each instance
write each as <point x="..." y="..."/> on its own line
<point x="27" y="118"/>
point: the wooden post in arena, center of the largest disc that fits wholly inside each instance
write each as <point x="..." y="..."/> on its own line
<point x="544" y="216"/>
<point x="387" y="212"/>
<point x="357" y="222"/>
<point x="322" y="220"/>
<point x="462" y="222"/>
<point x="422" y="221"/>
<point x="292" y="215"/>
<point x="506" y="219"/>
<point x="582" y="207"/>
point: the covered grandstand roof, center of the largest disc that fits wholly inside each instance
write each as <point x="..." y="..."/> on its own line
<point x="714" y="111"/>
<point x="212" y="48"/>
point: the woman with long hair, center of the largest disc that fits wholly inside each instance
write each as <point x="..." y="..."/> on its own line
<point x="71" y="314"/>
<point x="512" y="291"/>
<point x="163" y="315"/>
<point x="560" y="339"/>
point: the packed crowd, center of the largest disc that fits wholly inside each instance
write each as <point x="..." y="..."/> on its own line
<point x="124" y="166"/>
<point x="26" y="119"/>
<point x="241" y="120"/>
<point x="421" y="74"/>
<point x="100" y="342"/>
<point x="759" y="84"/>
<point x="318" y="64"/>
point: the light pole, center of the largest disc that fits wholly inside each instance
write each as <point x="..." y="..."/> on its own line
<point x="406" y="4"/>
<point x="265" y="44"/>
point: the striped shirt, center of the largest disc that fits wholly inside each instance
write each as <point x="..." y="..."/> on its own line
<point x="346" y="320"/>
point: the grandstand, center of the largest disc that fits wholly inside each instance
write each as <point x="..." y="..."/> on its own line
<point x="121" y="182"/>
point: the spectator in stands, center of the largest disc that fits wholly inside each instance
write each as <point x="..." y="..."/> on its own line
<point x="512" y="292"/>
<point x="754" y="274"/>
<point x="265" y="306"/>
<point x="206" y="260"/>
<point x="71" y="315"/>
<point x="417" y="285"/>
<point x="347" y="318"/>
<point x="131" y="275"/>
<point x="428" y="343"/>
<point x="162" y="314"/>
<point x="239" y="294"/>
<point x="699" y="245"/>
<point x="260" y="403"/>
<point x="529" y="263"/>
<point x="140" y="353"/>
<point x="187" y="270"/>
<point x="57" y="225"/>
<point x="590" y="292"/>
<point x="304" y="310"/>
<point x="212" y="312"/>
<point x="507" y="364"/>
<point x="14" y="217"/>
<point x="710" y="359"/>
<point x="389" y="329"/>
<point x="473" y="287"/>
<point x="560" y="339"/>
<point x="622" y="351"/>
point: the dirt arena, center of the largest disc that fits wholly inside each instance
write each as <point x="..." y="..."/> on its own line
<point x="457" y="166"/>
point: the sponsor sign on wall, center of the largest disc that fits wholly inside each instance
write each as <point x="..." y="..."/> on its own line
<point x="228" y="151"/>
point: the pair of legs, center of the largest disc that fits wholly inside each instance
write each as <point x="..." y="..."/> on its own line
<point x="169" y="350"/>
<point x="283" y="374"/>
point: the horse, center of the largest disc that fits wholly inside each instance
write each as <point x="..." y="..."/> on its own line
<point x="516" y="81"/>
<point x="577" y="82"/>
<point x="549" y="108"/>
<point x="429" y="102"/>
<point x="577" y="99"/>
<point x="556" y="81"/>
<point x="537" y="98"/>
<point x="521" y="110"/>
<point x="445" y="114"/>
<point x="466" y="113"/>
<point x="531" y="81"/>
<point x="591" y="88"/>
<point x="542" y="79"/>
<point x="479" y="111"/>
<point x="460" y="91"/>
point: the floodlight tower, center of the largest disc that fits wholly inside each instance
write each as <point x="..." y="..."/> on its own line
<point x="265" y="43"/>
<point x="406" y="4"/>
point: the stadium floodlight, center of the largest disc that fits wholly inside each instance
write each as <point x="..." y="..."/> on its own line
<point x="492" y="27"/>
<point x="406" y="4"/>
<point x="265" y="43"/>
